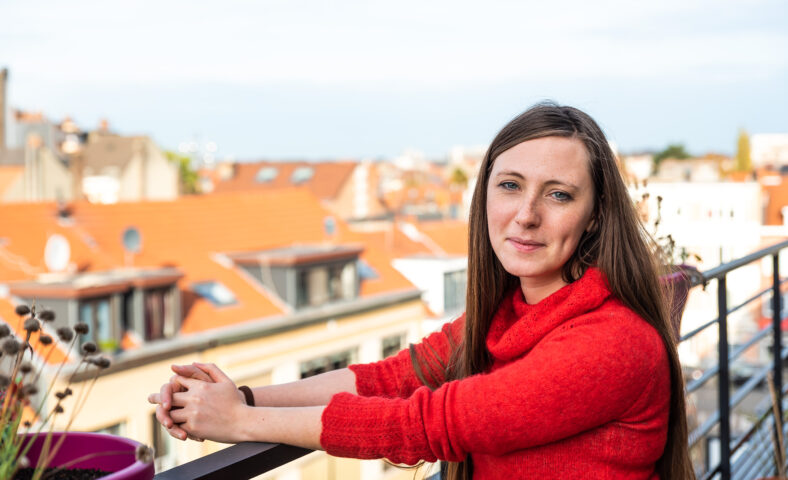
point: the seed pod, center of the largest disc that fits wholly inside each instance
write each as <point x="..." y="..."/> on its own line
<point x="68" y="391"/>
<point x="26" y="367"/>
<point x="27" y="423"/>
<point x="11" y="346"/>
<point x="4" y="330"/>
<point x="143" y="453"/>
<point x="89" y="347"/>
<point x="60" y="395"/>
<point x="58" y="409"/>
<point x="32" y="325"/>
<point x="101" y="362"/>
<point x="29" y="390"/>
<point x="81" y="328"/>
<point x="47" y="315"/>
<point x="66" y="334"/>
<point x="22" y="310"/>
<point x="45" y="339"/>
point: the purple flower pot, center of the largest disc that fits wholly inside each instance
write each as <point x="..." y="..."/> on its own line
<point x="77" y="444"/>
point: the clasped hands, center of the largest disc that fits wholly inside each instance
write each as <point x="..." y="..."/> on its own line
<point x="201" y="402"/>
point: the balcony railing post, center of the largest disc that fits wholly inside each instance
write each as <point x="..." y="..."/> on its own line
<point x="724" y="392"/>
<point x="777" y="342"/>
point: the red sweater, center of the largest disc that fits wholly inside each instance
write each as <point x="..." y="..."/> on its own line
<point x="579" y="388"/>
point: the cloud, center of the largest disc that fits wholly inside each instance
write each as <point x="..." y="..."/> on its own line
<point x="406" y="44"/>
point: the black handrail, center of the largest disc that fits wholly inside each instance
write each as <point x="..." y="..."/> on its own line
<point x="721" y="418"/>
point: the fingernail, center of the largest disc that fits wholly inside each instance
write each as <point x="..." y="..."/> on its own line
<point x="166" y="404"/>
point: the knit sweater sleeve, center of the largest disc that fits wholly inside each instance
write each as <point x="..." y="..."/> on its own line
<point x="396" y="376"/>
<point x="577" y="378"/>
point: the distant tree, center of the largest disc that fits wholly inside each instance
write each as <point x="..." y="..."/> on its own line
<point x="743" y="160"/>
<point x="674" y="150"/>
<point x="458" y="177"/>
<point x="187" y="177"/>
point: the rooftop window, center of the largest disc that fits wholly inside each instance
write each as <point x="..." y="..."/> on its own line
<point x="365" y="272"/>
<point x="302" y="174"/>
<point x="215" y="292"/>
<point x="266" y="174"/>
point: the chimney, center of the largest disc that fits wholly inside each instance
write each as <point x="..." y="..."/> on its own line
<point x="3" y="79"/>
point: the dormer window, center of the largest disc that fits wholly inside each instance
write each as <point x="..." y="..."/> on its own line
<point x="305" y="276"/>
<point x="145" y="302"/>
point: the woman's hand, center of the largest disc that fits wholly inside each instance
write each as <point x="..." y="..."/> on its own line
<point x="211" y="409"/>
<point x="164" y="398"/>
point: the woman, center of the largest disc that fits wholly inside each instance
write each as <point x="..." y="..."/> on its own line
<point x="563" y="365"/>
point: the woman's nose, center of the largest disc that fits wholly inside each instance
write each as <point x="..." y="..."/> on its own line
<point x="528" y="213"/>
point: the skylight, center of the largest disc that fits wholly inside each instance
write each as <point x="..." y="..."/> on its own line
<point x="215" y="292"/>
<point x="302" y="174"/>
<point x="266" y="174"/>
<point x="365" y="272"/>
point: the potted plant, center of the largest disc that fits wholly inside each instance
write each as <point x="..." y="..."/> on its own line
<point x="29" y="446"/>
<point x="679" y="276"/>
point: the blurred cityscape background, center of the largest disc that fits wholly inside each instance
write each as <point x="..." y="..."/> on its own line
<point x="282" y="188"/>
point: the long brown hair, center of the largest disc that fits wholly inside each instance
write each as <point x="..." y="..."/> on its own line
<point x="627" y="260"/>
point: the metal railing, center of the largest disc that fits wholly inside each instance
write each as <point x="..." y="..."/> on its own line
<point x="751" y="454"/>
<point x="748" y="456"/>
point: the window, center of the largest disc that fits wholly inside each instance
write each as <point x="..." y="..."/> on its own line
<point x="319" y="285"/>
<point x="158" y="315"/>
<point x="302" y="174"/>
<point x="163" y="446"/>
<point x="454" y="290"/>
<point x="365" y="272"/>
<point x="215" y="292"/>
<point x="115" y="429"/>
<point x="392" y="345"/>
<point x="266" y="174"/>
<point x="97" y="314"/>
<point x="327" y="363"/>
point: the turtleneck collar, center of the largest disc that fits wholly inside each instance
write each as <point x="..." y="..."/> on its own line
<point x="518" y="326"/>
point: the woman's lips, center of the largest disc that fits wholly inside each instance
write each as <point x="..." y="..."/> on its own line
<point x="522" y="245"/>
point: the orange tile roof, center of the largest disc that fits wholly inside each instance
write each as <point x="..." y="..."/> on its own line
<point x="189" y="233"/>
<point x="326" y="183"/>
<point x="450" y="235"/>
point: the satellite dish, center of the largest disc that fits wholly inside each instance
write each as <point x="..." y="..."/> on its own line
<point x="132" y="240"/>
<point x="330" y="226"/>
<point x="57" y="253"/>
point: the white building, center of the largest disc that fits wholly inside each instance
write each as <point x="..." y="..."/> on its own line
<point x="769" y="149"/>
<point x="718" y="221"/>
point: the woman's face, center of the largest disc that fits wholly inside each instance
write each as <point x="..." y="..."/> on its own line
<point x="540" y="200"/>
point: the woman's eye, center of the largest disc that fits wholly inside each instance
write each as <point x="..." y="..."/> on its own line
<point x="561" y="196"/>
<point x="508" y="185"/>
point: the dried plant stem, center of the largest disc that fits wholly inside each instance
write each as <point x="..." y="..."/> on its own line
<point x="779" y="454"/>
<point x="17" y="362"/>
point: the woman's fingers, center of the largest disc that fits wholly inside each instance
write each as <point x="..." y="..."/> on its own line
<point x="191" y="371"/>
<point x="215" y="373"/>
<point x="163" y="417"/>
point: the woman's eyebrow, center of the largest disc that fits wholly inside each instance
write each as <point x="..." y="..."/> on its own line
<point x="513" y="173"/>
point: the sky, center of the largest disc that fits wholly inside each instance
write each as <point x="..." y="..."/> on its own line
<point x="319" y="79"/>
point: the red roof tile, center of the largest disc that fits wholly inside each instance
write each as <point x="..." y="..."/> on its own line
<point x="326" y="182"/>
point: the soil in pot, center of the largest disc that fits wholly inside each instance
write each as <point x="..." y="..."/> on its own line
<point x="75" y="474"/>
